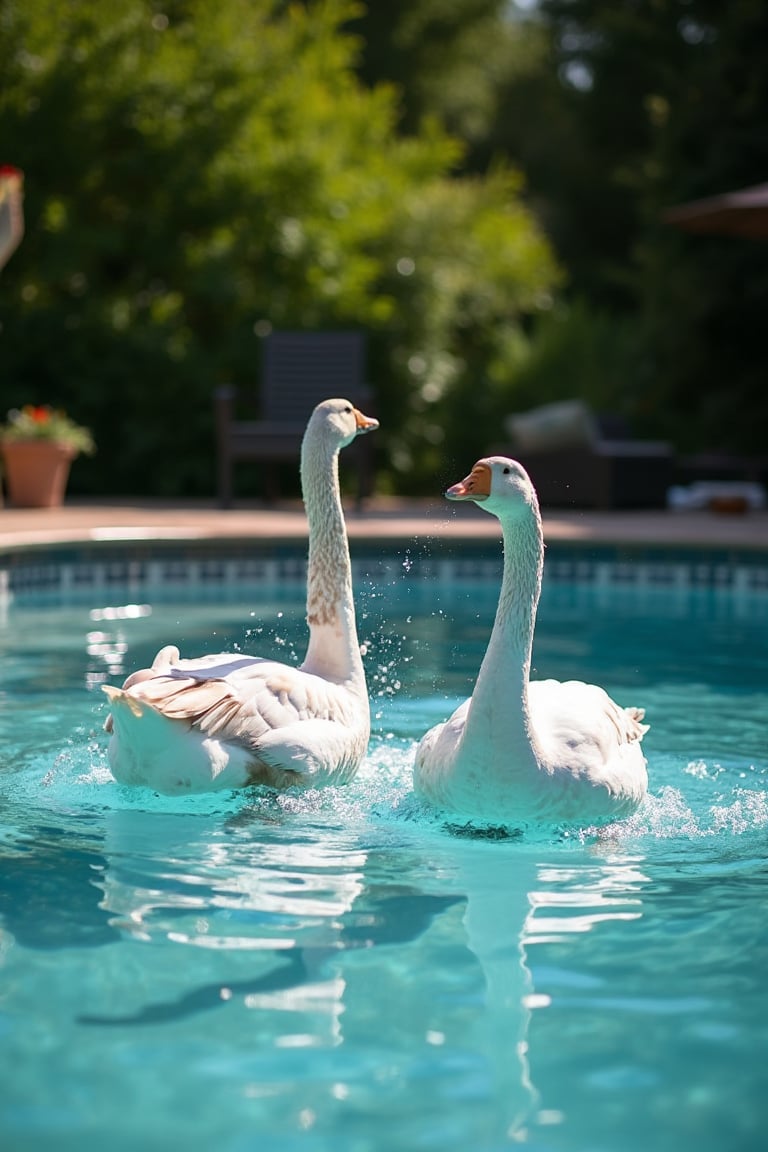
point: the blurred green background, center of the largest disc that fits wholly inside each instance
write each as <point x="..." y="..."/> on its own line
<point x="479" y="185"/>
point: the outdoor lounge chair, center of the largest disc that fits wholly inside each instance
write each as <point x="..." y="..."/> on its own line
<point x="580" y="459"/>
<point x="299" y="369"/>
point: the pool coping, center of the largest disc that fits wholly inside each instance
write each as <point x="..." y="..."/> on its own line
<point x="381" y="522"/>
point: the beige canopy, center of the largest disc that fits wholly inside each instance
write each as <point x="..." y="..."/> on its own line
<point x="740" y="213"/>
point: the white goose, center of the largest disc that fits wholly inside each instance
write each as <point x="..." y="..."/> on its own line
<point x="228" y="720"/>
<point x="521" y="751"/>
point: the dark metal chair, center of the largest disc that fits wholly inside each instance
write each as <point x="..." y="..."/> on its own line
<point x="299" y="369"/>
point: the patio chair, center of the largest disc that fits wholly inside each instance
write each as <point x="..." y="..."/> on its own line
<point x="299" y="369"/>
<point x="580" y="459"/>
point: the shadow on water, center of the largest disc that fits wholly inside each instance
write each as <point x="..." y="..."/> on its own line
<point x="382" y="916"/>
<point x="288" y="975"/>
<point x="49" y="890"/>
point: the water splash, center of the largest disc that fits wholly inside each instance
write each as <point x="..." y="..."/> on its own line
<point x="78" y="779"/>
<point x="669" y="815"/>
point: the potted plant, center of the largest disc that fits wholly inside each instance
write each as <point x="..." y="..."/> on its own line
<point x="38" y="443"/>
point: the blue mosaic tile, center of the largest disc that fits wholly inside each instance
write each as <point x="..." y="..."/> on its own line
<point x="63" y="575"/>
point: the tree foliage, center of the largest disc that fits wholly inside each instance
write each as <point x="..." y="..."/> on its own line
<point x="197" y="174"/>
<point x="615" y="110"/>
<point x="447" y="58"/>
<point x="635" y="107"/>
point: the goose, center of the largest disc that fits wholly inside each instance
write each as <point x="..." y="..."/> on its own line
<point x="525" y="752"/>
<point x="228" y="720"/>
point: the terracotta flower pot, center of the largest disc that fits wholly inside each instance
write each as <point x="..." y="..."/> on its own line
<point x="36" y="472"/>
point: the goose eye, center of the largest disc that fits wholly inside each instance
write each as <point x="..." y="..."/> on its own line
<point x="347" y="409"/>
<point x="507" y="471"/>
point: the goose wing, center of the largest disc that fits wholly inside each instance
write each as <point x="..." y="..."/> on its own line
<point x="237" y="699"/>
<point x="579" y="726"/>
<point x="439" y="744"/>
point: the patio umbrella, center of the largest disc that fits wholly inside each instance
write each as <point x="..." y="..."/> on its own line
<point x="740" y="213"/>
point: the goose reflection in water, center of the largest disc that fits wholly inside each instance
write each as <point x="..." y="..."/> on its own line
<point x="323" y="932"/>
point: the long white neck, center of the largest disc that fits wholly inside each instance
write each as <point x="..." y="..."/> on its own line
<point x="333" y="651"/>
<point x="499" y="711"/>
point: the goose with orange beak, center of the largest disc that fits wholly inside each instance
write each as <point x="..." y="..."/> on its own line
<point x="523" y="752"/>
<point x="227" y="720"/>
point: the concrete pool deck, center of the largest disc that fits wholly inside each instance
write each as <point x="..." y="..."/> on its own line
<point x="382" y="520"/>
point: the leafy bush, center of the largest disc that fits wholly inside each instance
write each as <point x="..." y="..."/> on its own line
<point x="199" y="174"/>
<point x="579" y="351"/>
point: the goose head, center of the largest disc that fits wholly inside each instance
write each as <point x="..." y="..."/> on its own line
<point x="499" y="485"/>
<point x="338" y="422"/>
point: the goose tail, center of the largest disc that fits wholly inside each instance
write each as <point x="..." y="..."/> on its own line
<point x="636" y="727"/>
<point x="118" y="698"/>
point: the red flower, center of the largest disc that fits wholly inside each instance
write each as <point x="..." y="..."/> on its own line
<point x="40" y="413"/>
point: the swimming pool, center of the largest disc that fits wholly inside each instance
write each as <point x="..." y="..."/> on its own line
<point x="348" y="970"/>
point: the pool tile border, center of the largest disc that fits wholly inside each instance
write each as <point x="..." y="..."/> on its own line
<point x="205" y="569"/>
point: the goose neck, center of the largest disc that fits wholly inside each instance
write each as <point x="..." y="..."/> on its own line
<point x="333" y="650"/>
<point x="499" y="709"/>
<point x="520" y="587"/>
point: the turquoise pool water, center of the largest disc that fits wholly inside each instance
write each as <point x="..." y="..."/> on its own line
<point x="348" y="972"/>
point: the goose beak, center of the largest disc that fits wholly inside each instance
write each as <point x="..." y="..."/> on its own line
<point x="476" y="486"/>
<point x="364" y="423"/>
